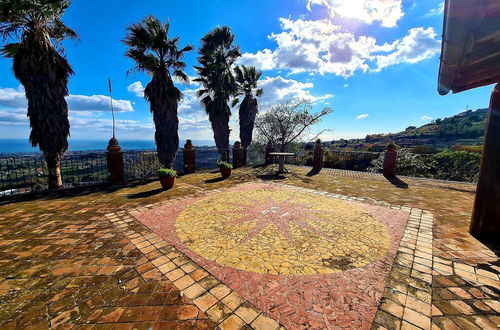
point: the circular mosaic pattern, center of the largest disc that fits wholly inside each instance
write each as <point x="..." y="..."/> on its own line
<point x="281" y="231"/>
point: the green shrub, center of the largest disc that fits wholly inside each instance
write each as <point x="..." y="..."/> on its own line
<point x="457" y="165"/>
<point x="225" y="165"/>
<point x="445" y="165"/>
<point x="166" y="173"/>
<point x="424" y="150"/>
<point x="357" y="161"/>
<point x="459" y="147"/>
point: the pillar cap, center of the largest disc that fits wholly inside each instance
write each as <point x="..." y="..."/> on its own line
<point x="188" y="144"/>
<point x="113" y="145"/>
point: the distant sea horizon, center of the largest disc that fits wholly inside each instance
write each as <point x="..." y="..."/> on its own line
<point x="23" y="145"/>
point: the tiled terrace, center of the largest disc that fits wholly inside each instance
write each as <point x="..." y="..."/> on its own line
<point x="83" y="259"/>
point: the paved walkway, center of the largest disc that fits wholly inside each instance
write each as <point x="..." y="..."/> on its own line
<point x="63" y="262"/>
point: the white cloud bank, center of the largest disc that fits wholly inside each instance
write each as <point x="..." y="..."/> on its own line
<point x="14" y="98"/>
<point x="362" y="116"/>
<point x="323" y="47"/>
<point x="418" y="45"/>
<point x="425" y="117"/>
<point x="387" y="12"/>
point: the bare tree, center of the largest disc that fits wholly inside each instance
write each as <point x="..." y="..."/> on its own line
<point x="288" y="121"/>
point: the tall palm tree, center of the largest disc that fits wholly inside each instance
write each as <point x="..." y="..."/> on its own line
<point x="41" y="67"/>
<point x="247" y="77"/>
<point x="217" y="55"/>
<point x="160" y="56"/>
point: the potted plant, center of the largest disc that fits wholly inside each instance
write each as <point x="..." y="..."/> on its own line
<point x="167" y="177"/>
<point x="225" y="169"/>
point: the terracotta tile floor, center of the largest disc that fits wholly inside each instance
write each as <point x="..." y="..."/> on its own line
<point x="64" y="264"/>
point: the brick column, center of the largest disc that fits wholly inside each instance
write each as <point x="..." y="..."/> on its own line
<point x="485" y="223"/>
<point x="237" y="155"/>
<point x="390" y="161"/>
<point x="115" y="162"/>
<point x="189" y="158"/>
<point x="318" y="156"/>
<point x="269" y="149"/>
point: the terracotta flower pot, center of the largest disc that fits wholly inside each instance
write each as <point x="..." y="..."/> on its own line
<point x="167" y="182"/>
<point x="225" y="172"/>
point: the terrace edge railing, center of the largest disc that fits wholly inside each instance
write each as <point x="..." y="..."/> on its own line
<point x="22" y="174"/>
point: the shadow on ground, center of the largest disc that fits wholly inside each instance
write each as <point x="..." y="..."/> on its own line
<point x="145" y="194"/>
<point x="217" y="179"/>
<point x="395" y="181"/>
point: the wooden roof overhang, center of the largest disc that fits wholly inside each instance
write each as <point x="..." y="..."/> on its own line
<point x="470" y="54"/>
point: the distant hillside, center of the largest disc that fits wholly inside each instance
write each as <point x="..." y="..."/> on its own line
<point x="466" y="125"/>
<point x="465" y="128"/>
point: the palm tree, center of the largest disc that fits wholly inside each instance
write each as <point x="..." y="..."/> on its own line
<point x="160" y="56"/>
<point x="247" y="78"/>
<point x="40" y="66"/>
<point x="217" y="55"/>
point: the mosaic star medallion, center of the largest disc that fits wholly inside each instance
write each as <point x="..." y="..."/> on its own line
<point x="282" y="232"/>
<point x="308" y="260"/>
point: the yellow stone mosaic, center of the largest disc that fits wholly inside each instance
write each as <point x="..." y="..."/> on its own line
<point x="278" y="231"/>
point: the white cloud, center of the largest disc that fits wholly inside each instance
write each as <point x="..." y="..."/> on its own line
<point x="418" y="45"/>
<point x="97" y="103"/>
<point x="322" y="47"/>
<point x="12" y="117"/>
<point x="346" y="85"/>
<point x="425" y="117"/>
<point x="436" y="11"/>
<point x="278" y="89"/>
<point x="362" y="116"/>
<point x="103" y="124"/>
<point x="313" y="46"/>
<point x="15" y="99"/>
<point x="387" y="12"/>
<point x="265" y="59"/>
<point x="136" y="88"/>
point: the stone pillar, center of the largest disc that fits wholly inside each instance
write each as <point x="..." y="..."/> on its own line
<point x="485" y="222"/>
<point x="390" y="161"/>
<point x="189" y="158"/>
<point x="115" y="162"/>
<point x="269" y="149"/>
<point x="237" y="155"/>
<point x="318" y="156"/>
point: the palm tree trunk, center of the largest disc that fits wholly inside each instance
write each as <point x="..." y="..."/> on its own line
<point x="166" y="131"/>
<point x="54" y="167"/>
<point x="248" y="113"/>
<point x="220" y="126"/>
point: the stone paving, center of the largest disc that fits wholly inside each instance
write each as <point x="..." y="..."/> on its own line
<point x="65" y="264"/>
<point x="323" y="263"/>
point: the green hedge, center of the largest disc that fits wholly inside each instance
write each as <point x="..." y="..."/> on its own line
<point x="445" y="165"/>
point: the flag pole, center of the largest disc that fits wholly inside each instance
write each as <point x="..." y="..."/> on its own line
<point x="111" y="103"/>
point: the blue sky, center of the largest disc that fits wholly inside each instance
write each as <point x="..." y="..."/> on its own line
<point x="374" y="62"/>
